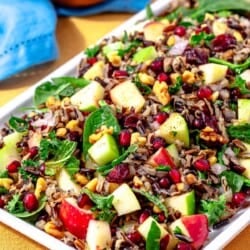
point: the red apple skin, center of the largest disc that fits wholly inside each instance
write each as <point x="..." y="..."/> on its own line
<point x="197" y="227"/>
<point x="161" y="157"/>
<point x="74" y="219"/>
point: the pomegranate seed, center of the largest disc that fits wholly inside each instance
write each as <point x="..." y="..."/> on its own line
<point x="30" y="202"/>
<point x="83" y="200"/>
<point x="202" y="165"/>
<point x="163" y="77"/>
<point x="161" y="117"/>
<point x="144" y="215"/>
<point x="164" y="182"/>
<point x="33" y="151"/>
<point x="204" y="92"/>
<point x="161" y="217"/>
<point x="238" y="198"/>
<point x="164" y="242"/>
<point x="2" y="203"/>
<point x="223" y="42"/>
<point x="120" y="74"/>
<point x="157" y="65"/>
<point x="184" y="246"/>
<point x="13" y="166"/>
<point x="158" y="142"/>
<point x="180" y="31"/>
<point x="91" y="60"/>
<point x="198" y="123"/>
<point x="124" y="138"/>
<point x="119" y="173"/>
<point x="175" y="175"/>
<point x="135" y="237"/>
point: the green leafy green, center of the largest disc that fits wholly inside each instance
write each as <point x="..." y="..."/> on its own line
<point x="104" y="170"/>
<point x="221" y="153"/>
<point x="18" y="124"/>
<point x="201" y="38"/>
<point x="241" y="132"/>
<point x="163" y="168"/>
<point x="125" y="37"/>
<point x="72" y="166"/>
<point x="241" y="85"/>
<point x="24" y="169"/>
<point x="58" y="87"/>
<point x="224" y="13"/>
<point x="15" y="205"/>
<point x="92" y="51"/>
<point x="176" y="87"/>
<point x="3" y="190"/>
<point x="128" y="47"/>
<point x="214" y="209"/>
<point x="103" y="203"/>
<point x="130" y="69"/>
<point x="153" y="199"/>
<point x="177" y="230"/>
<point x="149" y="12"/>
<point x="238" y="68"/>
<point x="98" y="118"/>
<point x="234" y="181"/>
<point x="4" y="174"/>
<point x="145" y="89"/>
<point x="153" y="237"/>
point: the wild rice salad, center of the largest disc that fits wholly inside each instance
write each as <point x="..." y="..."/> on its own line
<point x="148" y="148"/>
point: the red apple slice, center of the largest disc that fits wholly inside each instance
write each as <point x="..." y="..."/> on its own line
<point x="161" y="157"/>
<point x="74" y="219"/>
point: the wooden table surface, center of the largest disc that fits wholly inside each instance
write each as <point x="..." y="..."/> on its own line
<point x="74" y="35"/>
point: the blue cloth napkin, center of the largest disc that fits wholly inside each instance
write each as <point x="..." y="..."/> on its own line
<point x="27" y="30"/>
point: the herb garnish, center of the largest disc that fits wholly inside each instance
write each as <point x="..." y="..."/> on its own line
<point x="92" y="51"/>
<point x="15" y="205"/>
<point x="241" y="85"/>
<point x="163" y="168"/>
<point x="201" y="38"/>
<point x="176" y="87"/>
<point x="128" y="47"/>
<point x="18" y="124"/>
<point x="145" y="89"/>
<point x="149" y="12"/>
<point x="241" y="131"/>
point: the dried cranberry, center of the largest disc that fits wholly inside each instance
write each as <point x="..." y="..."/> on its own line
<point x="144" y="215"/>
<point x="196" y="56"/>
<point x="205" y="29"/>
<point x="183" y="246"/>
<point x="202" y="165"/>
<point x="83" y="200"/>
<point x="158" y="142"/>
<point x="74" y="136"/>
<point x="175" y="175"/>
<point x="164" y="242"/>
<point x="42" y="168"/>
<point x="180" y="31"/>
<point x="164" y="182"/>
<point x="124" y="138"/>
<point x="235" y="94"/>
<point x="188" y="88"/>
<point x="161" y="117"/>
<point x="13" y="166"/>
<point x="131" y="121"/>
<point x="120" y="74"/>
<point x="161" y="217"/>
<point x="157" y="65"/>
<point x="239" y="169"/>
<point x="204" y="92"/>
<point x="33" y="151"/>
<point x="135" y="237"/>
<point x="30" y="202"/>
<point x="91" y="60"/>
<point x="2" y="203"/>
<point x="238" y="198"/>
<point x="120" y="173"/>
<point x="223" y="42"/>
<point x="211" y="122"/>
<point x="163" y="77"/>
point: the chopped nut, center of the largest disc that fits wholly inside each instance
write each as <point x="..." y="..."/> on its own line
<point x="180" y="186"/>
<point x="238" y="36"/>
<point x="174" y="77"/>
<point x="160" y="90"/>
<point x="66" y="101"/>
<point x="41" y="186"/>
<point x="61" y="132"/>
<point x="214" y="96"/>
<point x="137" y="181"/>
<point x="6" y="183"/>
<point x="72" y="126"/>
<point x="156" y="209"/>
<point x="171" y="40"/>
<point x="91" y="185"/>
<point x="53" y="230"/>
<point x="208" y="134"/>
<point x="99" y="133"/>
<point x="112" y="187"/>
<point x="136" y="138"/>
<point x="81" y="178"/>
<point x="188" y="77"/>
<point x="212" y="160"/>
<point x="114" y="59"/>
<point x="53" y="103"/>
<point x="146" y="79"/>
<point x="191" y="179"/>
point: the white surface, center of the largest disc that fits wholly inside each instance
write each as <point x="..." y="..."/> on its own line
<point x="217" y="239"/>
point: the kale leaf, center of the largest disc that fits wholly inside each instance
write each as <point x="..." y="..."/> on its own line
<point x="15" y="205"/>
<point x="18" y="124"/>
<point x="153" y="238"/>
<point x="241" y="132"/>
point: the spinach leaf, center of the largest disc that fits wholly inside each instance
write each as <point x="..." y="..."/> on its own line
<point x="63" y="86"/>
<point x="149" y="12"/>
<point x="72" y="166"/>
<point x="214" y="209"/>
<point x="98" y="118"/>
<point x="128" y="47"/>
<point x="153" y="237"/>
<point x="241" y="132"/>
<point x="104" y="170"/>
<point x="102" y="203"/>
<point x="241" y="85"/>
<point x="176" y="87"/>
<point x="18" y="124"/>
<point x="15" y="205"/>
<point x="235" y="181"/>
<point x="153" y="199"/>
<point x="92" y="51"/>
<point x="201" y="38"/>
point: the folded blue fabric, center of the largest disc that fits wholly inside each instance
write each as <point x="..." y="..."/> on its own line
<point x="27" y="30"/>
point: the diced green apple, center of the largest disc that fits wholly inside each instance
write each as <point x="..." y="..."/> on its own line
<point x="127" y="95"/>
<point x="8" y="152"/>
<point x="246" y="162"/>
<point x="173" y="151"/>
<point x="96" y="70"/>
<point x="146" y="54"/>
<point x="173" y="129"/>
<point x="184" y="203"/>
<point x="104" y="150"/>
<point x="112" y="47"/>
<point x="87" y="98"/>
<point x="153" y="30"/>
<point x="98" y="235"/>
<point x="66" y="183"/>
<point x="245" y="75"/>
<point x="124" y="200"/>
<point x="213" y="72"/>
<point x="244" y="110"/>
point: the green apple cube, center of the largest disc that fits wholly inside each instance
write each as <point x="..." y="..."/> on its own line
<point x="96" y="70"/>
<point x="124" y="200"/>
<point x="244" y="110"/>
<point x="112" y="47"/>
<point x="145" y="54"/>
<point x="8" y="152"/>
<point x="184" y="203"/>
<point x="174" y="128"/>
<point x="87" y="98"/>
<point x="104" y="150"/>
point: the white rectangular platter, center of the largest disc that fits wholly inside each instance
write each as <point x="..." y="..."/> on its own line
<point x="217" y="238"/>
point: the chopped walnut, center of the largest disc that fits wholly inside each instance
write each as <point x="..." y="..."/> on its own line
<point x="208" y="134"/>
